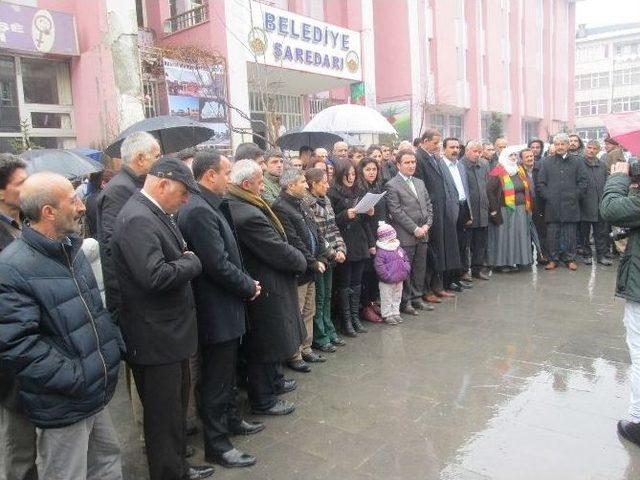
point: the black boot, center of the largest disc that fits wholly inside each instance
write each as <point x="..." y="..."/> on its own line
<point x="355" y="309"/>
<point x="345" y="312"/>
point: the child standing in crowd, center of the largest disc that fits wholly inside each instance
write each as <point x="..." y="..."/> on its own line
<point x="393" y="267"/>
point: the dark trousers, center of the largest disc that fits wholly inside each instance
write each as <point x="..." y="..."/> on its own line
<point x="462" y="232"/>
<point x="478" y="247"/>
<point x="370" y="291"/>
<point x="561" y="241"/>
<point x="432" y="278"/>
<point x="348" y="274"/>
<point x="217" y="393"/>
<point x="600" y="237"/>
<point x="263" y="381"/>
<point x="164" y="392"/>
<point x="541" y="227"/>
<point x="414" y="285"/>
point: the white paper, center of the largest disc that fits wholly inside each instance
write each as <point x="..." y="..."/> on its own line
<point x="368" y="202"/>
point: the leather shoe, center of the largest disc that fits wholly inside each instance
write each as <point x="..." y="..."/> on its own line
<point x="629" y="431"/>
<point x="409" y="310"/>
<point x="299" y="366"/>
<point x="445" y="294"/>
<point x="338" y="342"/>
<point x="572" y="266"/>
<point x="455" y="287"/>
<point x="313" y="357"/>
<point x="189" y="452"/>
<point x="465" y="285"/>
<point x="420" y="305"/>
<point x="196" y="473"/>
<point x="281" y="407"/>
<point x="326" y="348"/>
<point x="550" y="266"/>
<point x="431" y="298"/>
<point x="286" y="387"/>
<point x="233" y="458"/>
<point x="245" y="428"/>
<point x="605" y="261"/>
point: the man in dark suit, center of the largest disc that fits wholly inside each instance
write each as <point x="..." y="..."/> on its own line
<point x="157" y="313"/>
<point x="411" y="214"/>
<point x="220" y="292"/>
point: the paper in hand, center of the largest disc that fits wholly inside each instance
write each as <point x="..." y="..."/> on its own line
<point x="368" y="202"/>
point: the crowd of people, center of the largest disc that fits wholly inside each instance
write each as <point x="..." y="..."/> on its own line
<point x="214" y="274"/>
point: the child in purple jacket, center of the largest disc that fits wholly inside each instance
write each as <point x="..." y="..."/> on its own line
<point x="393" y="267"/>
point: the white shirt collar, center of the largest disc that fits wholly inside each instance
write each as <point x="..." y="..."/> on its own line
<point x="152" y="200"/>
<point x="406" y="179"/>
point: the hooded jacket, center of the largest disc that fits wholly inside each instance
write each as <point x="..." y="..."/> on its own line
<point x="391" y="262"/>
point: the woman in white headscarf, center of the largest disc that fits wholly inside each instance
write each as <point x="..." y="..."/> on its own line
<point x="508" y="189"/>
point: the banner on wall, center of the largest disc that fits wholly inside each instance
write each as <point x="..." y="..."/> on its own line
<point x="398" y="114"/>
<point x="357" y="93"/>
<point x="199" y="94"/>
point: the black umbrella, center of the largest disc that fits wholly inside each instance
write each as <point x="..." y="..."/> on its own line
<point x="295" y="139"/>
<point x="64" y="162"/>
<point x="173" y="133"/>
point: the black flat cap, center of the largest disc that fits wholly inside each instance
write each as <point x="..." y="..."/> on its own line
<point x="174" y="169"/>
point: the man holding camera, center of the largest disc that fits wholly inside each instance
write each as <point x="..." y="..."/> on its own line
<point x="621" y="207"/>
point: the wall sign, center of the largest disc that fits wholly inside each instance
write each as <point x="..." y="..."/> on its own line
<point x="36" y="30"/>
<point x="283" y="39"/>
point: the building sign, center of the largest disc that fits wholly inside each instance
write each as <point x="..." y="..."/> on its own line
<point x="34" y="30"/>
<point x="199" y="94"/>
<point x="283" y="39"/>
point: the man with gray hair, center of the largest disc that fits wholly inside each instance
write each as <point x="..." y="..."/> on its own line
<point x="56" y="337"/>
<point x="340" y="150"/>
<point x="302" y="232"/>
<point x="562" y="185"/>
<point x="275" y="331"/>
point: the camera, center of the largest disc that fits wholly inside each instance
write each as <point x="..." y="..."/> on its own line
<point x="634" y="169"/>
<point x="618" y="233"/>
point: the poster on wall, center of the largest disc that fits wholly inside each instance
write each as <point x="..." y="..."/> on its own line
<point x="399" y="115"/>
<point x="200" y="95"/>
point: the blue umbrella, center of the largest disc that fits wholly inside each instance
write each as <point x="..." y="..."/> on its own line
<point x="64" y="162"/>
<point x="89" y="152"/>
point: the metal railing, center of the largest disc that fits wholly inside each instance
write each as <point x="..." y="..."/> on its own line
<point x="187" y="19"/>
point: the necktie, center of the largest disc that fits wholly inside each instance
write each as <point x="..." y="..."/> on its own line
<point x="412" y="186"/>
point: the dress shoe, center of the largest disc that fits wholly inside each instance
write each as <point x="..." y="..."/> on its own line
<point x="370" y="315"/>
<point x="573" y="266"/>
<point x="629" y="431"/>
<point x="299" y="366"/>
<point x="409" y="310"/>
<point x="551" y="266"/>
<point x="281" y="407"/>
<point x="465" y="285"/>
<point x="233" y="458"/>
<point x="455" y="287"/>
<point x="420" y="305"/>
<point x="286" y="387"/>
<point x="431" y="298"/>
<point x="326" y="348"/>
<point x="338" y="342"/>
<point x="313" y="357"/>
<point x="189" y="452"/>
<point x="605" y="261"/>
<point x="196" y="473"/>
<point x="481" y="276"/>
<point x="445" y="294"/>
<point x="245" y="428"/>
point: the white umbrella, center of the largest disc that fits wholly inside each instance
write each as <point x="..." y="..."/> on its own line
<point x="351" y="119"/>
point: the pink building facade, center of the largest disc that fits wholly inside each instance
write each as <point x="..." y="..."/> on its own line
<point x="444" y="63"/>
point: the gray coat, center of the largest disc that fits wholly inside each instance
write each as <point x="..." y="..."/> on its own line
<point x="562" y="184"/>
<point x="406" y="210"/>
<point x="597" y="175"/>
<point x="477" y="174"/>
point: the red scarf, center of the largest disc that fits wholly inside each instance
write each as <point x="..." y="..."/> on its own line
<point x="508" y="189"/>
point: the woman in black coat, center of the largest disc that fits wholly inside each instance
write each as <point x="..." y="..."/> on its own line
<point x="368" y="180"/>
<point x="360" y="240"/>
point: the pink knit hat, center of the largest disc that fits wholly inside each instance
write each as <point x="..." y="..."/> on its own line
<point x="386" y="232"/>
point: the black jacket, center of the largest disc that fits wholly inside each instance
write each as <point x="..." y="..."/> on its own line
<point x="302" y="232"/>
<point x="562" y="183"/>
<point x="110" y="201"/>
<point x="55" y="335"/>
<point x="275" y="328"/>
<point x="223" y="287"/>
<point x="357" y="233"/>
<point x="477" y="175"/>
<point x="597" y="175"/>
<point x="157" y="315"/>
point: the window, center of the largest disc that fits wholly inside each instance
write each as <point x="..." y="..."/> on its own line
<point x="437" y="122"/>
<point x="598" y="133"/>
<point x="589" y="53"/>
<point x="485" y="121"/>
<point x="628" y="48"/>
<point x="625" y="104"/>
<point x="140" y="13"/>
<point x="529" y="130"/>
<point x="289" y="107"/>
<point x="628" y="76"/>
<point x="448" y="125"/>
<point x="593" y="107"/>
<point x="455" y="126"/>
<point x="592" y="80"/>
<point x="9" y="111"/>
<point x="46" y="82"/>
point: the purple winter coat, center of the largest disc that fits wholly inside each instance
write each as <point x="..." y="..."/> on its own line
<point x="392" y="266"/>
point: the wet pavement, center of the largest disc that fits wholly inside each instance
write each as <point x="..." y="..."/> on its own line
<point x="524" y="377"/>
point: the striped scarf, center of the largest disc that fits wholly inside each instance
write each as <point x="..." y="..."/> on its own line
<point x="509" y="190"/>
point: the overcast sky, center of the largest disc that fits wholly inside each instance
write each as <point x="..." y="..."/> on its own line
<point x="605" y="12"/>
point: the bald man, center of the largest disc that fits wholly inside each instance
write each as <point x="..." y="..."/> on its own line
<point x="57" y="338"/>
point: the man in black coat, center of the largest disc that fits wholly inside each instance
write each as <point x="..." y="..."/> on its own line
<point x="221" y="292"/>
<point x="590" y="218"/>
<point x="443" y="242"/>
<point x="562" y="185"/>
<point x="302" y="232"/>
<point x="537" y="148"/>
<point x="275" y="330"/>
<point x="477" y="173"/>
<point x="157" y="314"/>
